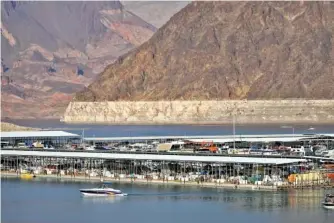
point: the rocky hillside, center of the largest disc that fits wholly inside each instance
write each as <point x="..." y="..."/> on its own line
<point x="228" y="50"/>
<point x="51" y="50"/>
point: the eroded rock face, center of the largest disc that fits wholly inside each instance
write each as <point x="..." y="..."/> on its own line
<point x="201" y="112"/>
<point x="228" y="50"/>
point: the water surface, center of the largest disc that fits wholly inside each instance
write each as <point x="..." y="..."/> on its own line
<point x="51" y="201"/>
<point x="171" y="130"/>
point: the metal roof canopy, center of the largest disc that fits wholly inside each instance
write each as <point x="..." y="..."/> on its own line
<point x="28" y="134"/>
<point x="248" y="160"/>
<point x="278" y="139"/>
<point x="190" y="137"/>
<point x="218" y="138"/>
<point x="317" y="157"/>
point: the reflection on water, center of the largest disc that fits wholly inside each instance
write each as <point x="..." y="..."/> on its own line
<point x="102" y="200"/>
<point x="305" y="198"/>
<point x="251" y="201"/>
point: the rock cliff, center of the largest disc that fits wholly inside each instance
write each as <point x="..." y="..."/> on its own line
<point x="202" y="112"/>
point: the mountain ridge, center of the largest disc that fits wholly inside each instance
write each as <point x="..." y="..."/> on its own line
<point x="228" y="50"/>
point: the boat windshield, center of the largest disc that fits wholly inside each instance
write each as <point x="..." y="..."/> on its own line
<point x="103" y="186"/>
<point x="329" y="198"/>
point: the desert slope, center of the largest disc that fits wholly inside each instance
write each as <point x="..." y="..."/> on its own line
<point x="51" y="50"/>
<point x="9" y="127"/>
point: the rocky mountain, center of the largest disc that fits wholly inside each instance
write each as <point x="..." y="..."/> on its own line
<point x="228" y="50"/>
<point x="51" y="50"/>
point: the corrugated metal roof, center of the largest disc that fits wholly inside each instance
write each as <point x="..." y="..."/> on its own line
<point x="212" y="159"/>
<point x="27" y="134"/>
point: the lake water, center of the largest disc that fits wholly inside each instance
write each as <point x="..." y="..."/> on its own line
<point x="180" y="130"/>
<point x="51" y="201"/>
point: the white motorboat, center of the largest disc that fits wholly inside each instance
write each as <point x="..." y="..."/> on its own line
<point x="48" y="147"/>
<point x="102" y="191"/>
<point x="89" y="148"/>
<point x="328" y="203"/>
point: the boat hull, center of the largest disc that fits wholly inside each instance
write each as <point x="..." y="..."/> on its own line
<point x="101" y="193"/>
<point x="328" y="206"/>
<point x="27" y="176"/>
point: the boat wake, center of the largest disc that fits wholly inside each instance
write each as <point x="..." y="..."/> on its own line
<point x="100" y="200"/>
<point x="155" y="194"/>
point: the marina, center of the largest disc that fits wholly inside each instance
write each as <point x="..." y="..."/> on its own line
<point x="240" y="177"/>
<point x="269" y="174"/>
<point x="168" y="112"/>
<point x="266" y="162"/>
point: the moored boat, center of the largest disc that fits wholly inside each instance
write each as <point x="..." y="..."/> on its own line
<point x="102" y="191"/>
<point x="27" y="176"/>
<point x="328" y="203"/>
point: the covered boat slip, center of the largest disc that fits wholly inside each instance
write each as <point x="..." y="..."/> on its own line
<point x="27" y="138"/>
<point x="65" y="140"/>
<point x="228" y="170"/>
<point x="155" y="157"/>
<point x="218" y="138"/>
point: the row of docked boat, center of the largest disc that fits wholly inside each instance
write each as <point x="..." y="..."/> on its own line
<point x="207" y="147"/>
<point x="28" y="145"/>
<point x="190" y="146"/>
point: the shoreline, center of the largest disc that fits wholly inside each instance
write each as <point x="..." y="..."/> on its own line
<point x="74" y="125"/>
<point x="215" y="123"/>
<point x="244" y="187"/>
<point x="9" y="127"/>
